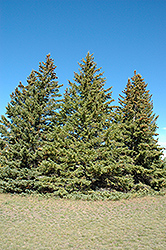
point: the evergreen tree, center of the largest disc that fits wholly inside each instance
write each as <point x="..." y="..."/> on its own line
<point x="164" y="162"/>
<point x="137" y="138"/>
<point x="79" y="158"/>
<point x="30" y="116"/>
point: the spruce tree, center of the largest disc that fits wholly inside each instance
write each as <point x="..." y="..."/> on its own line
<point x="138" y="137"/>
<point x="78" y="159"/>
<point x="30" y="116"/>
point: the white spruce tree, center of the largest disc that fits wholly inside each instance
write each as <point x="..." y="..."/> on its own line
<point x="30" y="116"/>
<point x="138" y="136"/>
<point x="86" y="115"/>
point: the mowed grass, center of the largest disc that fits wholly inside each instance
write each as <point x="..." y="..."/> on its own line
<point x="40" y="223"/>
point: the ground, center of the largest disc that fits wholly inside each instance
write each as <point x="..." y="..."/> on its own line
<point x="39" y="223"/>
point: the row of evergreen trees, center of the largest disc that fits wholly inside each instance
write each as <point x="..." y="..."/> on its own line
<point x="79" y="141"/>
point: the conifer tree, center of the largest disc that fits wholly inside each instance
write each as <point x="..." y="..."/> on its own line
<point x="30" y="116"/>
<point x="138" y="136"/>
<point x="86" y="114"/>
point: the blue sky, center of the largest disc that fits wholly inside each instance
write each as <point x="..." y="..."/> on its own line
<point x="124" y="35"/>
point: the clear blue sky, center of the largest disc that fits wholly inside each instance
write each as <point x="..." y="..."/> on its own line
<point x="124" y="35"/>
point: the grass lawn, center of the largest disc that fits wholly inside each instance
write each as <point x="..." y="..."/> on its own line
<point x="40" y="223"/>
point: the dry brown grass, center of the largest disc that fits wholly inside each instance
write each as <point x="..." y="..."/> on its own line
<point x="40" y="223"/>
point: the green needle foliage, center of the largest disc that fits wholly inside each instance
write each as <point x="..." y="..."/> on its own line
<point x="137" y="124"/>
<point x="79" y="145"/>
<point x="85" y="117"/>
<point x="30" y="116"/>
